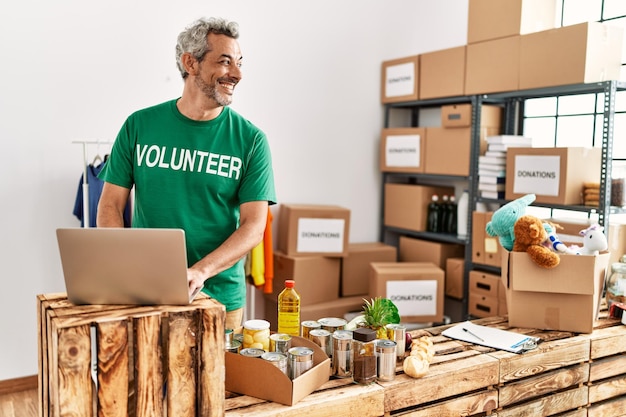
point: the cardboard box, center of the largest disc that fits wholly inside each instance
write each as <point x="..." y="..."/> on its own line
<point x="440" y="140"/>
<point x="420" y="250"/>
<point x="355" y="268"/>
<point x="262" y="379"/>
<point x="400" y="80"/>
<point x="317" y="277"/>
<point x="484" y="283"/>
<point x="402" y="149"/>
<point x="566" y="297"/>
<point x="492" y="19"/>
<point x="310" y="229"/>
<point x="486" y="250"/>
<point x="460" y="115"/>
<point x="406" y="205"/>
<point x="584" y="53"/>
<point x="442" y="73"/>
<point x="416" y="288"/>
<point x="554" y="175"/>
<point x="492" y="66"/>
<point x="482" y="306"/>
<point x="336" y="308"/>
<point x="455" y="275"/>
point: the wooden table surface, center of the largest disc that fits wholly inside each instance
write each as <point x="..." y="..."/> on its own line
<point x="575" y="374"/>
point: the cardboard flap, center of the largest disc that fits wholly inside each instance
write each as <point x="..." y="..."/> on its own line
<point x="259" y="378"/>
<point x="574" y="274"/>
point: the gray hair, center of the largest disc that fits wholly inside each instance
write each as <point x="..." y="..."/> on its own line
<point x="193" y="39"/>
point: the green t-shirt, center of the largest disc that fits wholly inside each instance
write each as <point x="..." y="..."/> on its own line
<point x="193" y="175"/>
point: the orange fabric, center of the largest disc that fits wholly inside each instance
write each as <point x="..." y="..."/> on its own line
<point x="269" y="255"/>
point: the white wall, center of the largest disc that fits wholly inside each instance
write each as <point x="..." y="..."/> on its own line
<point x="74" y="70"/>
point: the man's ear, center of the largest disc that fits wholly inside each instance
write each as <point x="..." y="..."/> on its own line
<point x="190" y="63"/>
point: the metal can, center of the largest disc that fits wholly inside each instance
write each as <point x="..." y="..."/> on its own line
<point x="332" y="323"/>
<point x="385" y="360"/>
<point x="397" y="333"/>
<point x="321" y="338"/>
<point x="308" y="325"/>
<point x="228" y="335"/>
<point x="252" y="352"/>
<point x="277" y="359"/>
<point x="280" y="342"/>
<point x="234" y="346"/>
<point x="300" y="360"/>
<point x="342" y="354"/>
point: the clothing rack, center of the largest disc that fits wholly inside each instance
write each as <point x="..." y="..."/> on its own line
<point x="85" y="143"/>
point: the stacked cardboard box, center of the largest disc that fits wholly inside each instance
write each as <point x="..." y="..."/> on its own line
<point x="511" y="45"/>
<point x="331" y="273"/>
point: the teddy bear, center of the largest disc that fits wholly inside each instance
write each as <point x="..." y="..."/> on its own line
<point x="503" y="220"/>
<point x="530" y="234"/>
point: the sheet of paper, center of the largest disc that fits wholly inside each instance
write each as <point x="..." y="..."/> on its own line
<point x="491" y="337"/>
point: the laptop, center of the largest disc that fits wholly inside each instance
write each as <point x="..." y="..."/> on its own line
<point x="124" y="266"/>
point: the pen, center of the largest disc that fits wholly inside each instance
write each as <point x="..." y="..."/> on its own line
<point x="476" y="336"/>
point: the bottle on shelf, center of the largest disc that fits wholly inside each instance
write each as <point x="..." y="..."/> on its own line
<point x="444" y="213"/>
<point x="433" y="214"/>
<point x="289" y="310"/>
<point x="462" y="214"/>
<point x="452" y="216"/>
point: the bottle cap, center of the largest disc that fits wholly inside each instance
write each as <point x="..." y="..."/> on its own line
<point x="289" y="283"/>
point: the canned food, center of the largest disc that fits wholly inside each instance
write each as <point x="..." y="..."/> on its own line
<point x="228" y="335"/>
<point x="385" y="360"/>
<point x="234" y="346"/>
<point x="252" y="352"/>
<point x="277" y="359"/>
<point x="332" y="323"/>
<point x="256" y="334"/>
<point x="308" y="325"/>
<point x="397" y="333"/>
<point x="342" y="350"/>
<point x="280" y="342"/>
<point x="239" y="337"/>
<point x="321" y="338"/>
<point x="300" y="360"/>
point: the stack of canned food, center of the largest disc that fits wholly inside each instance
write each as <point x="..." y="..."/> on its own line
<point x="257" y="342"/>
<point x="354" y="354"/>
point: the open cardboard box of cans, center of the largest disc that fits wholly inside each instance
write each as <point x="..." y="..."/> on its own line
<point x="262" y="379"/>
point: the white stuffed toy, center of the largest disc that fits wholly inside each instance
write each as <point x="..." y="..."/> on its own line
<point x="594" y="241"/>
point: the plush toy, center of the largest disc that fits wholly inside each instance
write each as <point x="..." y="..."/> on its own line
<point x="503" y="220"/>
<point x="594" y="241"/>
<point x="553" y="242"/>
<point x="529" y="237"/>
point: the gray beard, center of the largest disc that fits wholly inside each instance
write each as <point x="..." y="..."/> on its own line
<point x="211" y="92"/>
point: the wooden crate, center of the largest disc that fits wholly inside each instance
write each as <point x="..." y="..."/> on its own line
<point x="151" y="360"/>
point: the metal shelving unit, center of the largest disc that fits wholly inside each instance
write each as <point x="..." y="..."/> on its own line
<point x="513" y="104"/>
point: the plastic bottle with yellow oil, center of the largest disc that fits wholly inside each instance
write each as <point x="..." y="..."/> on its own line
<point x="289" y="310"/>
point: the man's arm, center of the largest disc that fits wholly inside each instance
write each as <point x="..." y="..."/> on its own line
<point x="253" y="217"/>
<point x="111" y="206"/>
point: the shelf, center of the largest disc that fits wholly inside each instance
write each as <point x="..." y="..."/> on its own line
<point x="563" y="90"/>
<point x="513" y="104"/>
<point x="438" y="237"/>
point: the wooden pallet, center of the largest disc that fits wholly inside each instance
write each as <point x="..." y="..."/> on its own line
<point x="151" y="360"/>
<point x="570" y="375"/>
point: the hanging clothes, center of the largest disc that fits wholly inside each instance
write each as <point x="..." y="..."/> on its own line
<point x="95" y="191"/>
<point x="268" y="245"/>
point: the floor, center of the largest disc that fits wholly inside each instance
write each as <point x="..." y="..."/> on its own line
<point x="19" y="404"/>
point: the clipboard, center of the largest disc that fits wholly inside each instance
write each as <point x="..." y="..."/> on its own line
<point x="490" y="337"/>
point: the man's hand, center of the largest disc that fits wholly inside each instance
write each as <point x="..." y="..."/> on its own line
<point x="195" y="280"/>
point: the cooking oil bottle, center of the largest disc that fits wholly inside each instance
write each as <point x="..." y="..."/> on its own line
<point x="289" y="310"/>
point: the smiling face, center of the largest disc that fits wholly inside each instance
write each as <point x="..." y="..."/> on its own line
<point x="219" y="71"/>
